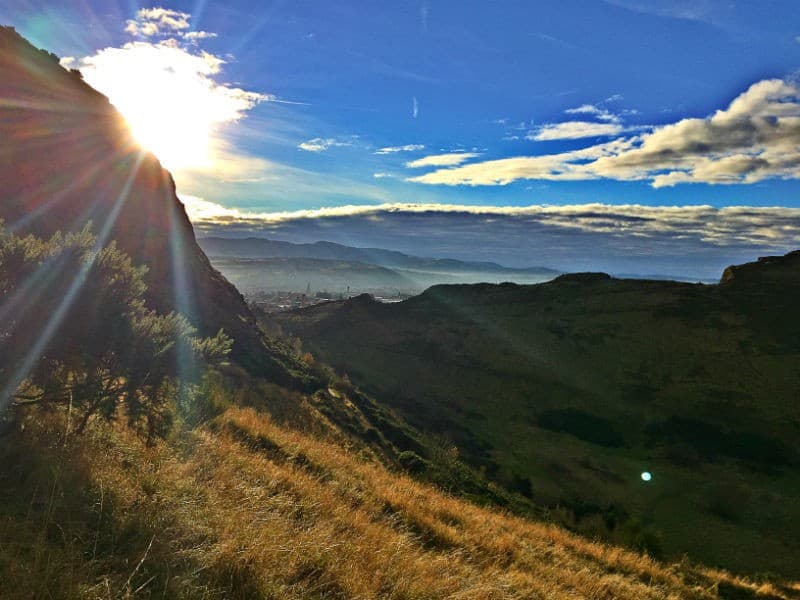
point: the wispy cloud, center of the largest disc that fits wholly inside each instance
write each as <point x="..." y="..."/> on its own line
<point x="606" y="124"/>
<point x="441" y="160"/>
<point x="707" y="11"/>
<point x="554" y="40"/>
<point x="321" y="144"/>
<point x="395" y="149"/>
<point x="755" y="138"/>
<point x="574" y="130"/>
<point x="198" y="35"/>
<point x="597" y="112"/>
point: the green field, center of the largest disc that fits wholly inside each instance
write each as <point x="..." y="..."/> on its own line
<point x="566" y="392"/>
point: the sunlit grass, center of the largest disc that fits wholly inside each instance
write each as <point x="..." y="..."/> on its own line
<point x="245" y="508"/>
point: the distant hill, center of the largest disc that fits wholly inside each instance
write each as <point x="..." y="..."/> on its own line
<point x="258" y="264"/>
<point x="566" y="391"/>
<point x="293" y="274"/>
<point x="296" y="274"/>
<point x="265" y="248"/>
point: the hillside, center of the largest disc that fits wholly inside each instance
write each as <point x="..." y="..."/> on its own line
<point x="67" y="158"/>
<point x="567" y="391"/>
<point x="245" y="508"/>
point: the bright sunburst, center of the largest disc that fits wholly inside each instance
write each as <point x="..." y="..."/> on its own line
<point x="168" y="95"/>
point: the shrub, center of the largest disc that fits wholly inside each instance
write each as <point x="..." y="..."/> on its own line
<point x="75" y="332"/>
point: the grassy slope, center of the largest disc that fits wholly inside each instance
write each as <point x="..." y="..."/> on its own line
<point x="246" y="508"/>
<point x="695" y="383"/>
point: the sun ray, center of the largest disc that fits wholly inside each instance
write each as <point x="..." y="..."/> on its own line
<point x="59" y="191"/>
<point x="188" y="369"/>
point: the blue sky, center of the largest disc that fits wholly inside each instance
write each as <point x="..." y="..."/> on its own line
<point x="501" y="104"/>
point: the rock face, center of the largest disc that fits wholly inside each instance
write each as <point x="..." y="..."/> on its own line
<point x="67" y="157"/>
<point x="767" y="270"/>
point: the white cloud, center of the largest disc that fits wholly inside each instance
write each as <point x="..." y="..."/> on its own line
<point x="395" y="149"/>
<point x="169" y="95"/>
<point x="321" y="144"/>
<point x="572" y="165"/>
<point x="755" y="138"/>
<point x="198" y="35"/>
<point x="574" y="130"/>
<point x="164" y="22"/>
<point x="150" y="22"/>
<point x="441" y="160"/>
<point x="381" y="175"/>
<point x="200" y="210"/>
<point x="595" y="111"/>
<point x="168" y="91"/>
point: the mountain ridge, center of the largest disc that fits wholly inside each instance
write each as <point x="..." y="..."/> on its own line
<point x="254" y="247"/>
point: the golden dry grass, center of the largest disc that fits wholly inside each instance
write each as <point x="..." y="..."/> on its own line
<point x="245" y="508"/>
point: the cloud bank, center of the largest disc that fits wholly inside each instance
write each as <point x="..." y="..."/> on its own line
<point x="756" y="137"/>
<point x="695" y="241"/>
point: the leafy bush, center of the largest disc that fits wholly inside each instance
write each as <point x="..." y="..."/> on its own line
<point x="412" y="462"/>
<point x="75" y="332"/>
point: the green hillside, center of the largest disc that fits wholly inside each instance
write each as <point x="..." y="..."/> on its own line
<point x="567" y="391"/>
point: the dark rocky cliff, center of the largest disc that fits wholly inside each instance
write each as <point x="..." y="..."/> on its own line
<point x="67" y="157"/>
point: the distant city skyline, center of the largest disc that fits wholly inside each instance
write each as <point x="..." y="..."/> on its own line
<point x="548" y="133"/>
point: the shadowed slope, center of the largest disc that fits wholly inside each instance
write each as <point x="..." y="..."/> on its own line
<point x="67" y="157"/>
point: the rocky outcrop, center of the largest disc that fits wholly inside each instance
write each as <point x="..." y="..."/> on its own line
<point x="767" y="270"/>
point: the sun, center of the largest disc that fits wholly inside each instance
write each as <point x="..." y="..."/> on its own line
<point x="169" y="96"/>
<point x="180" y="136"/>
